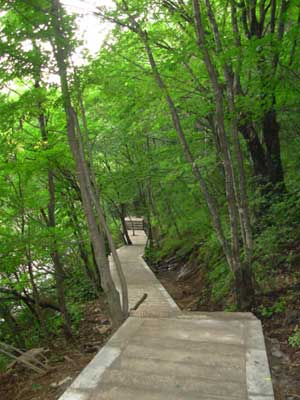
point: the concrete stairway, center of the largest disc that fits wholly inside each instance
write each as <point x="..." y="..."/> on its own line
<point x="161" y="353"/>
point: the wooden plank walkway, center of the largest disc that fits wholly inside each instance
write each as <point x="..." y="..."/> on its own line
<point x="161" y="353"/>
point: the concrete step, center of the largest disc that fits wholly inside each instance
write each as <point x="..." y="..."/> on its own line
<point x="199" y="331"/>
<point x="228" y="350"/>
<point x="187" y="356"/>
<point x="107" y="392"/>
<point x="145" y="382"/>
<point x="217" y="373"/>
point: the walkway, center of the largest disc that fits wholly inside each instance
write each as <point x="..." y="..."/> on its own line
<point x="140" y="280"/>
<point x="161" y="353"/>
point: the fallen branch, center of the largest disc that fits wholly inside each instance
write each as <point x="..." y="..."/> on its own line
<point x="28" y="359"/>
<point x="142" y="299"/>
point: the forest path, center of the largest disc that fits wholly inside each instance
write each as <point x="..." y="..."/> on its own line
<point x="141" y="280"/>
<point x="161" y="353"/>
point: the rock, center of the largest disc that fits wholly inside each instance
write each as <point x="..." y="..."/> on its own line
<point x="69" y="359"/>
<point x="91" y="349"/>
<point x="67" y="379"/>
<point x="277" y="353"/>
<point x="104" y="329"/>
<point x="276" y="368"/>
<point x="186" y="272"/>
<point x="272" y="344"/>
<point x="292" y="317"/>
<point x="97" y="343"/>
<point x="104" y="321"/>
<point x="60" y="383"/>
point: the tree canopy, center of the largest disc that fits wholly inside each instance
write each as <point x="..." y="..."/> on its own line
<point x="188" y="116"/>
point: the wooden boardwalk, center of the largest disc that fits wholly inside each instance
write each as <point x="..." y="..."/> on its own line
<point x="161" y="353"/>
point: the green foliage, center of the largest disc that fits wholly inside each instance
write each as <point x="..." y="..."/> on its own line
<point x="139" y="164"/>
<point x="36" y="386"/>
<point x="79" y="287"/>
<point x="221" y="281"/>
<point x="276" y="308"/>
<point x="294" y="339"/>
<point x="76" y="312"/>
<point x="4" y="361"/>
<point x="279" y="234"/>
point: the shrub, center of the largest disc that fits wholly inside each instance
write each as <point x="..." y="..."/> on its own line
<point x="294" y="339"/>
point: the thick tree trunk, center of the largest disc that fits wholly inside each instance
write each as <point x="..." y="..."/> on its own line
<point x="244" y="288"/>
<point x="257" y="153"/>
<point x="267" y="165"/>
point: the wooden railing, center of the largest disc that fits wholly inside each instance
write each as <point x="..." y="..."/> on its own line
<point x="134" y="223"/>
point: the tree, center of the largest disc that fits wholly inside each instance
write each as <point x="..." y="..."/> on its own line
<point x="89" y="194"/>
<point x="236" y="201"/>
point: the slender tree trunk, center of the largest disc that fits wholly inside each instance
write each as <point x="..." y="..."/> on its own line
<point x="122" y="213"/>
<point x="233" y="253"/>
<point x="50" y="221"/>
<point x="188" y="155"/>
<point x="235" y="185"/>
<point x="271" y="137"/>
<point x="88" y="198"/>
<point x="239" y="183"/>
<point x="36" y="297"/>
<point x="95" y="196"/>
<point x="58" y="267"/>
<point x="185" y="147"/>
<point x="85" y="254"/>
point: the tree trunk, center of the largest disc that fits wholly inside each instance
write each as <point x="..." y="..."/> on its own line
<point x="271" y="138"/>
<point x="36" y="297"/>
<point x="58" y="267"/>
<point x="234" y="181"/>
<point x="186" y="150"/>
<point x="84" y="143"/>
<point x="257" y="153"/>
<point x="267" y="166"/>
<point x="83" y="175"/>
<point x="122" y="214"/>
<point x="50" y="221"/>
<point x="85" y="253"/>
